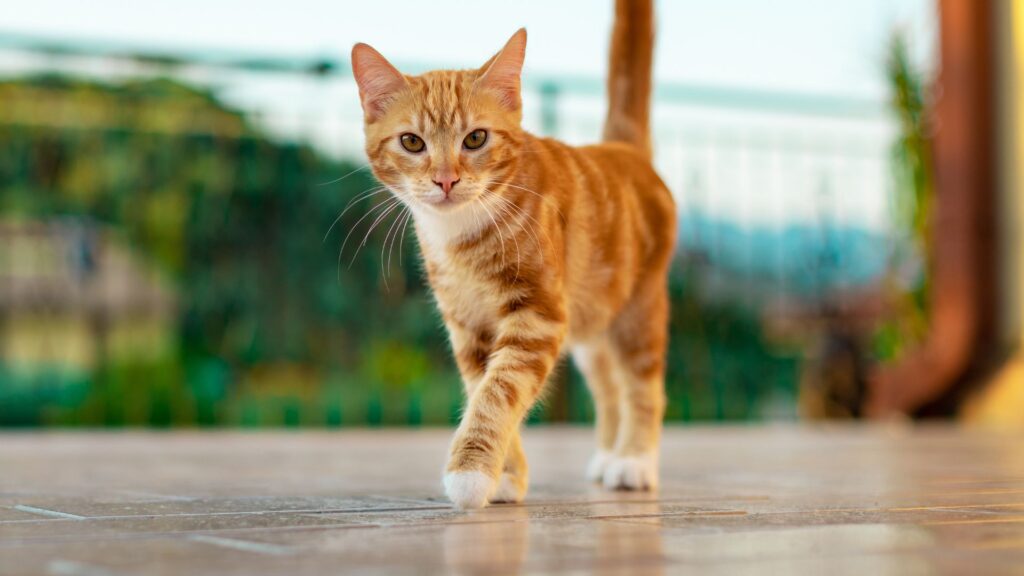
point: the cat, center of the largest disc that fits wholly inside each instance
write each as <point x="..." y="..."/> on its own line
<point x="533" y="248"/>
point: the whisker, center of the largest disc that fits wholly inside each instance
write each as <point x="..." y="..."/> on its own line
<point x="383" y="247"/>
<point x="501" y="238"/>
<point x="519" y="255"/>
<point x="530" y="227"/>
<point x="476" y="220"/>
<point x="386" y="272"/>
<point x="401" y="242"/>
<point x="361" y="196"/>
<point x="336" y="180"/>
<point x="390" y="201"/>
<point x="380" y="218"/>
<point x="538" y="195"/>
<point x="522" y="217"/>
<point x="520" y="209"/>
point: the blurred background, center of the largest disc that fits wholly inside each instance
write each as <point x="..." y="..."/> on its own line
<point x="847" y="177"/>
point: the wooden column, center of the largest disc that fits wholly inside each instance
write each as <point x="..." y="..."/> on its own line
<point x="961" y="343"/>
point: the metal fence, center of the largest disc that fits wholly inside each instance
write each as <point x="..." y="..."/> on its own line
<point x="162" y="262"/>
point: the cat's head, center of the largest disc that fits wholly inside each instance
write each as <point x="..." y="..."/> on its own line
<point x="439" y="140"/>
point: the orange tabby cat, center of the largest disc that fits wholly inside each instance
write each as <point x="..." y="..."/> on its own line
<point x="533" y="247"/>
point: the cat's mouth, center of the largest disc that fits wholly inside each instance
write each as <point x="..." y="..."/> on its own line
<point x="442" y="202"/>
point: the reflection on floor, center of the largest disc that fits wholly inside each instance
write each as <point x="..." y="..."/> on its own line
<point x="754" y="500"/>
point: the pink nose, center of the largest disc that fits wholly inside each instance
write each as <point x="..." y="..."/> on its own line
<point x="446" y="181"/>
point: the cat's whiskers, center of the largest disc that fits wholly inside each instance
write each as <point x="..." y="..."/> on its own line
<point x="400" y="232"/>
<point x="537" y="194"/>
<point x="497" y="228"/>
<point x="401" y="242"/>
<point x="384" y="247"/>
<point x="380" y="218"/>
<point x="386" y="270"/>
<point x="531" y="224"/>
<point x="523" y="225"/>
<point x="520" y="218"/>
<point x="359" y="197"/>
<point x="496" y="193"/>
<point x="388" y="202"/>
<point x="527" y="221"/>
<point x="336" y="180"/>
<point x="519" y="255"/>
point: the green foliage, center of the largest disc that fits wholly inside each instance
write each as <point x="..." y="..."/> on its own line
<point x="721" y="365"/>
<point x="913" y="199"/>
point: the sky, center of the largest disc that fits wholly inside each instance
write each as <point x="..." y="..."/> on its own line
<point x="822" y="46"/>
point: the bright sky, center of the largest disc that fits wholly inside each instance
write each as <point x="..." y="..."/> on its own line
<point x="829" y="46"/>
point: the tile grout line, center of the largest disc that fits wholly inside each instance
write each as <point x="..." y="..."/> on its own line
<point x="241" y="545"/>
<point x="49" y="513"/>
<point x="671" y="515"/>
<point x="68" y="568"/>
<point x="310" y="511"/>
<point x="152" y="535"/>
<point x="158" y="497"/>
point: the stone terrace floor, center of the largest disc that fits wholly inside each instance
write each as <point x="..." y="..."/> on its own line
<point x="750" y="500"/>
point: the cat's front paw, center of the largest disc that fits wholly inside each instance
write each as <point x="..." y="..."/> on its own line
<point x="637" y="472"/>
<point x="468" y="490"/>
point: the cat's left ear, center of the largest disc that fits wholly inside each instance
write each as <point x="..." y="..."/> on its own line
<point x="501" y="73"/>
<point x="378" y="80"/>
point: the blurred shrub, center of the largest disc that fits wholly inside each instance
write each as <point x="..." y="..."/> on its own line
<point x="908" y="282"/>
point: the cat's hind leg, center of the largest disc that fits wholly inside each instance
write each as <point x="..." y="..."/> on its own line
<point x="514" y="480"/>
<point x="595" y="359"/>
<point x="639" y="339"/>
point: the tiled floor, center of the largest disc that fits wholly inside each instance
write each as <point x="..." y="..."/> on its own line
<point x="758" y="500"/>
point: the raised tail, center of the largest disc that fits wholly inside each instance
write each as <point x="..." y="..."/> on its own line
<point x="629" y="75"/>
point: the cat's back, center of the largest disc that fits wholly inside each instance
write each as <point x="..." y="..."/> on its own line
<point x="622" y="176"/>
<point x="602" y="171"/>
<point x="625" y="164"/>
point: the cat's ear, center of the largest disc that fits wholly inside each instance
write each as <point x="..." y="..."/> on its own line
<point x="501" y="73"/>
<point x="378" y="80"/>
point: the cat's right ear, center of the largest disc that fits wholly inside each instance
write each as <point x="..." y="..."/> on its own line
<point x="378" y="80"/>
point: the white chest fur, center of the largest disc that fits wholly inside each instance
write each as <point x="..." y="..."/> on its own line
<point x="459" y="286"/>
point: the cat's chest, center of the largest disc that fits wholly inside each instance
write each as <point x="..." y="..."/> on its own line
<point x="463" y="292"/>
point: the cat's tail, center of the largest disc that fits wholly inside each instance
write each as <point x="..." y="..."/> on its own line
<point x="629" y="74"/>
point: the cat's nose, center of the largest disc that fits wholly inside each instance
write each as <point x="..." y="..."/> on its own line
<point x="446" y="181"/>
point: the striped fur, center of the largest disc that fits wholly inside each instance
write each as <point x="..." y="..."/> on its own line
<point x="540" y="248"/>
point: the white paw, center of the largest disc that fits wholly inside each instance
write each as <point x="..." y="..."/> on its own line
<point x="468" y="490"/>
<point x="631" y="472"/>
<point x="508" y="490"/>
<point x="596" y="466"/>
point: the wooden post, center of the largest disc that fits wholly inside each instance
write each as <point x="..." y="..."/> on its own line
<point x="961" y="343"/>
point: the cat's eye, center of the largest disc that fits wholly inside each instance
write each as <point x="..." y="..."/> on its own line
<point x="412" y="143"/>
<point x="475" y="139"/>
